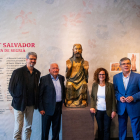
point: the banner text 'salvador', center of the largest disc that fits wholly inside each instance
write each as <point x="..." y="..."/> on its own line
<point x="18" y="45"/>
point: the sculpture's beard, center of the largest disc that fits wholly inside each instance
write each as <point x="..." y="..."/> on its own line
<point x="77" y="55"/>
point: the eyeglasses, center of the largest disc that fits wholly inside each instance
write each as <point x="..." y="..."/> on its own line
<point x="32" y="59"/>
<point x="123" y="64"/>
<point x="101" y="74"/>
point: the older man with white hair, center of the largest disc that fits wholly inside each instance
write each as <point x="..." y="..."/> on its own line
<point x="51" y="97"/>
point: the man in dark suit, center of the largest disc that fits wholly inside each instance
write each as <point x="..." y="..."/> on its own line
<point x="127" y="92"/>
<point x="24" y="88"/>
<point x="51" y="97"/>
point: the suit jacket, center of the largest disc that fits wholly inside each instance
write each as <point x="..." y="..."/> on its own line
<point x="133" y="89"/>
<point x="109" y="97"/>
<point x="47" y="94"/>
<point x="18" y="88"/>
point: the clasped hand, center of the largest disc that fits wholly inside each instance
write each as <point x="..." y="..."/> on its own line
<point x="128" y="99"/>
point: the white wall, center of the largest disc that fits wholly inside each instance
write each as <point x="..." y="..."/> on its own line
<point x="107" y="30"/>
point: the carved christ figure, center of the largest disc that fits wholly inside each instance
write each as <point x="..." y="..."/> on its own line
<point x="77" y="78"/>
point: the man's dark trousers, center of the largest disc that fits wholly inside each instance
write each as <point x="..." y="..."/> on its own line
<point x="56" y="122"/>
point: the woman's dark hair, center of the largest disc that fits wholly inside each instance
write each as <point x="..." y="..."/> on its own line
<point x="96" y="74"/>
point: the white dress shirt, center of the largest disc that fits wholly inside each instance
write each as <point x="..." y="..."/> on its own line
<point x="57" y="86"/>
<point x="126" y="80"/>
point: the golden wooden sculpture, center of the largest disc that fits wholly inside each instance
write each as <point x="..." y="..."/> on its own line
<point x="77" y="78"/>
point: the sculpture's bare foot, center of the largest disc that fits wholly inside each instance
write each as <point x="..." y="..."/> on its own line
<point x="84" y="103"/>
<point x="76" y="102"/>
<point x="72" y="105"/>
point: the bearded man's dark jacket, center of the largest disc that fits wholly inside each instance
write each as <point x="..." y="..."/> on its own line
<point x="18" y="88"/>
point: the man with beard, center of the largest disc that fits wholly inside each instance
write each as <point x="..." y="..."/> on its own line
<point x="24" y="89"/>
<point x="77" y="78"/>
